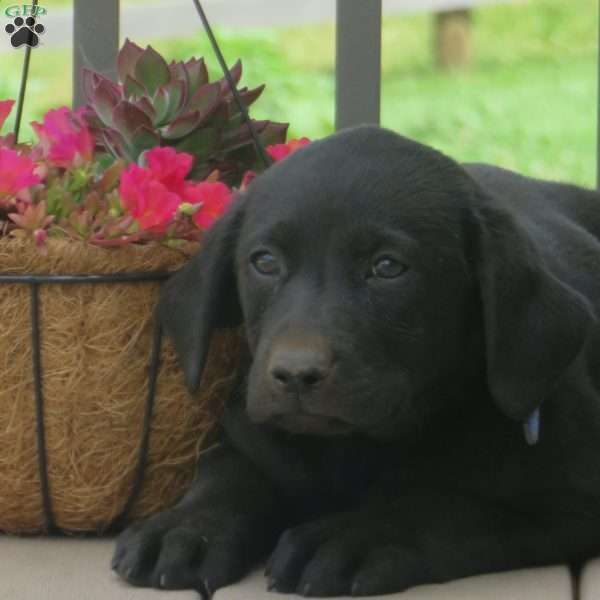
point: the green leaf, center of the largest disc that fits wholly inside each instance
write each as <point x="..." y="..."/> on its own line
<point x="127" y="59"/>
<point x="202" y="143"/>
<point x="161" y="106"/>
<point x="110" y="177"/>
<point x="132" y="87"/>
<point x="143" y="139"/>
<point x="151" y="70"/>
<point x="177" y="97"/>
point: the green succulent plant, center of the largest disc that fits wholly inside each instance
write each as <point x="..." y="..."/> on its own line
<point x="155" y="103"/>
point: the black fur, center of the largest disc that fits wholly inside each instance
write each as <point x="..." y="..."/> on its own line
<point x="375" y="441"/>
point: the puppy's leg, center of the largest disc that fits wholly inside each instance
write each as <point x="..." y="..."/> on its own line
<point x="226" y="522"/>
<point x="391" y="545"/>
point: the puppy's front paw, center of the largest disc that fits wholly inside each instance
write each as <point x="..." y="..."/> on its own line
<point x="344" y="555"/>
<point x="179" y="550"/>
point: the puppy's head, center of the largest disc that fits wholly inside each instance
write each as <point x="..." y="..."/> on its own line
<point x="374" y="279"/>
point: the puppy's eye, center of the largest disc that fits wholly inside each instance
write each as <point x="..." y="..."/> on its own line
<point x="265" y="263"/>
<point x="387" y="267"/>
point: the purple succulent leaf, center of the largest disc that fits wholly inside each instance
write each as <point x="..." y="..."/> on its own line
<point x="127" y="59"/>
<point x="240" y="136"/>
<point x="123" y="240"/>
<point x="197" y="73"/>
<point x="90" y="80"/>
<point x="91" y="119"/>
<point x="271" y="132"/>
<point x="113" y="141"/>
<point x="236" y="75"/>
<point x="242" y="151"/>
<point x="219" y="118"/>
<point x="151" y="70"/>
<point x="182" y="126"/>
<point x="105" y="100"/>
<point x="206" y="98"/>
<point x="127" y="118"/>
<point x="146" y="106"/>
<point x="251" y="96"/>
<point x="274" y="133"/>
<point x="248" y="98"/>
<point x="132" y="87"/>
<point x="179" y="73"/>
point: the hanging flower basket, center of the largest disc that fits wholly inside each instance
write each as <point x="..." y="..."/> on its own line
<point x="96" y="426"/>
<point x="119" y="434"/>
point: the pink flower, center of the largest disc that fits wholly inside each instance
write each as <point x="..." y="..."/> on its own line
<point x="215" y="198"/>
<point x="169" y="166"/>
<point x="40" y="236"/>
<point x="280" y="151"/>
<point x="5" y="108"/>
<point x="152" y="194"/>
<point x="8" y="140"/>
<point x="148" y="200"/>
<point x="64" y="138"/>
<point x="16" y="173"/>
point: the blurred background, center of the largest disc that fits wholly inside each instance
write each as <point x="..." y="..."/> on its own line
<point x="523" y="96"/>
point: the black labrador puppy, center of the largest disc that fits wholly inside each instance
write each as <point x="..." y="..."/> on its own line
<point x="421" y="396"/>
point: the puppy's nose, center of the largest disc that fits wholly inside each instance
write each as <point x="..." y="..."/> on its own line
<point x="299" y="370"/>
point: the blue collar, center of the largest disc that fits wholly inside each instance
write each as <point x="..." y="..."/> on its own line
<point x="531" y="428"/>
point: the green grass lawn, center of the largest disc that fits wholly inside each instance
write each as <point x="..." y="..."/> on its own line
<point x="527" y="103"/>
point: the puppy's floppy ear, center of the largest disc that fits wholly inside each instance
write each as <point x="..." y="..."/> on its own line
<point x="535" y="324"/>
<point x="203" y="296"/>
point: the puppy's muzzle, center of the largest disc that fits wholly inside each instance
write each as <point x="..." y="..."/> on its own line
<point x="299" y="376"/>
<point x="297" y="366"/>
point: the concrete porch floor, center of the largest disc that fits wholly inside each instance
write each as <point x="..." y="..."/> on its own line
<point x="78" y="569"/>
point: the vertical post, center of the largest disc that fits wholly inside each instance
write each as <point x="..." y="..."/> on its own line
<point x="598" y="112"/>
<point x="453" y="38"/>
<point x="95" y="41"/>
<point x="358" y="62"/>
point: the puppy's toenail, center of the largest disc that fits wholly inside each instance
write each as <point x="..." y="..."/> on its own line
<point x="272" y="584"/>
<point x="163" y="580"/>
<point x="206" y="590"/>
<point x="306" y="590"/>
<point x="355" y="591"/>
